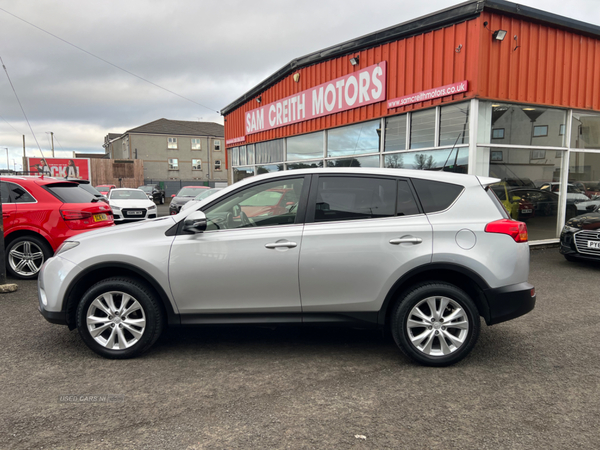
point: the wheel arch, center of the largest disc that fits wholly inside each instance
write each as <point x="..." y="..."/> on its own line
<point x="9" y="238"/>
<point x="454" y="274"/>
<point x="102" y="271"/>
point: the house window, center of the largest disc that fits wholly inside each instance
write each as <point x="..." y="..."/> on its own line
<point x="540" y="130"/>
<point x="561" y="129"/>
<point x="217" y="164"/>
<point x="196" y="164"/>
<point x="498" y="133"/>
<point x="172" y="143"/>
<point x="196" y="144"/>
<point x="217" y="145"/>
<point x="173" y="164"/>
<point x="538" y="154"/>
<point x="496" y="155"/>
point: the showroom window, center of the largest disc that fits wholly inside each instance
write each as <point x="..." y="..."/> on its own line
<point x="448" y="160"/>
<point x="269" y="152"/>
<point x="355" y="139"/>
<point x="196" y="144"/>
<point x="422" y="129"/>
<point x="365" y="161"/>
<point x="250" y="153"/>
<point x="395" y="133"/>
<point x="305" y="146"/>
<point x="243" y="156"/>
<point x="454" y="124"/>
<point x="235" y="156"/>
<point x="173" y="164"/>
<point x="529" y="187"/>
<point x="172" y="143"/>
<point x="585" y="130"/>
<point x="526" y="125"/>
<point x="239" y="173"/>
<point x="196" y="164"/>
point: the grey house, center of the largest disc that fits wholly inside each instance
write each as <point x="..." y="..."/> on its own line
<point x="174" y="150"/>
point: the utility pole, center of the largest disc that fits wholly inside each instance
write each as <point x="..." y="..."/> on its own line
<point x="7" y="163"/>
<point x="24" y="156"/>
<point x="52" y="137"/>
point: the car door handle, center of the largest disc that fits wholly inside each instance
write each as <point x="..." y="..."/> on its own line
<point x="281" y="245"/>
<point x="406" y="240"/>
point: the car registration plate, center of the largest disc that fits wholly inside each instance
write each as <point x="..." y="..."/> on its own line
<point x="526" y="211"/>
<point x="134" y="213"/>
<point x="99" y="217"/>
<point x="593" y="244"/>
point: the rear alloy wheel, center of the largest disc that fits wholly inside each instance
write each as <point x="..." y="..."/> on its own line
<point x="26" y="255"/>
<point x="119" y="318"/>
<point x="436" y="324"/>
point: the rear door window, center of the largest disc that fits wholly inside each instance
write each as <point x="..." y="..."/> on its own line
<point x="18" y="194"/>
<point x="352" y="198"/>
<point x="70" y="193"/>
<point x="436" y="195"/>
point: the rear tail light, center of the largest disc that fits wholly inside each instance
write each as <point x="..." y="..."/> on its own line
<point x="75" y="215"/>
<point x="516" y="230"/>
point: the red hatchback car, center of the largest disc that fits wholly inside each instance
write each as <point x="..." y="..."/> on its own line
<point x="39" y="214"/>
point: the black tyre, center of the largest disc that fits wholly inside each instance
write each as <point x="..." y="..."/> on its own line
<point x="435" y="324"/>
<point x="119" y="318"/>
<point x="26" y="255"/>
<point x="162" y="199"/>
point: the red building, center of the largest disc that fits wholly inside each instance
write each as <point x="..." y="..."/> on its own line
<point x="485" y="87"/>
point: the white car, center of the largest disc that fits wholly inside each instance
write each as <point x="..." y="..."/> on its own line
<point x="131" y="204"/>
<point x="200" y="196"/>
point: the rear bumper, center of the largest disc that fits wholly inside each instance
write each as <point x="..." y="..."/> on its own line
<point x="509" y="302"/>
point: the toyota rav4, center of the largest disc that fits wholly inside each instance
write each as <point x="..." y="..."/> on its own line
<point x="423" y="254"/>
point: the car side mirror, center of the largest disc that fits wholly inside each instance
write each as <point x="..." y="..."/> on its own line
<point x="591" y="207"/>
<point x="195" y="222"/>
<point x="173" y="196"/>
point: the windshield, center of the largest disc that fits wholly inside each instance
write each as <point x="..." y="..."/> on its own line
<point x="189" y="192"/>
<point x="127" y="194"/>
<point x="206" y="193"/>
<point x="265" y="198"/>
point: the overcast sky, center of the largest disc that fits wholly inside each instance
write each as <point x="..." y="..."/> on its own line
<point x="208" y="51"/>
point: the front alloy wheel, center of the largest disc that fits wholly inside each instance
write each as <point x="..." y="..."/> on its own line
<point x="119" y="317"/>
<point x="435" y="324"/>
<point x="116" y="320"/>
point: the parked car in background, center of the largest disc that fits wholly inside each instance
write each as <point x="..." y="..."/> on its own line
<point x="130" y="205"/>
<point x="154" y="193"/>
<point x="104" y="189"/>
<point x="201" y="196"/>
<point x="544" y="203"/>
<point x="574" y="196"/>
<point x="184" y="195"/>
<point x="403" y="250"/>
<point x="518" y="208"/>
<point x="589" y="206"/>
<point x="39" y="214"/>
<point x="580" y="237"/>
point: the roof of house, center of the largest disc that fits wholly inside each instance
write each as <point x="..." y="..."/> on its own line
<point x="455" y="14"/>
<point x="181" y="127"/>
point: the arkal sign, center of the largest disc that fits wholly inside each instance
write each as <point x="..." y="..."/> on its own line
<point x="360" y="88"/>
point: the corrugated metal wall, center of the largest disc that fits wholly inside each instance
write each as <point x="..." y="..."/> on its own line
<point x="544" y="65"/>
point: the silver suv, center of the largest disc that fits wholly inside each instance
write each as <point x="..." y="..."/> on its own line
<point x="423" y="254"/>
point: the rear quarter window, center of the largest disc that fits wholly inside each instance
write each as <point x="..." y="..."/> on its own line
<point x="70" y="193"/>
<point x="492" y="194"/>
<point x="436" y="195"/>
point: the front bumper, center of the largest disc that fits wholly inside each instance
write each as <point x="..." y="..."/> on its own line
<point x="509" y="302"/>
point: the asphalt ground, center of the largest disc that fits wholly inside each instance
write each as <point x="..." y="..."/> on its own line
<point x="530" y="383"/>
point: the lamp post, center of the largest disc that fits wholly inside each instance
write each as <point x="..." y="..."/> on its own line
<point x="7" y="164"/>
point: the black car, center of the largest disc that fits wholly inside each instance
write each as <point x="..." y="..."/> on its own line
<point x="87" y="186"/>
<point x="154" y="192"/>
<point x="580" y="237"/>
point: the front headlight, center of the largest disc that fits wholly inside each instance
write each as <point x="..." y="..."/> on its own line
<point x="151" y="207"/>
<point x="116" y="208"/>
<point x="67" y="245"/>
<point x="568" y="229"/>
